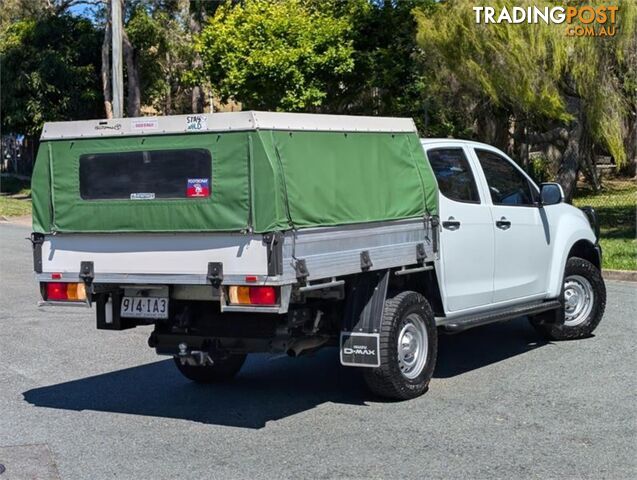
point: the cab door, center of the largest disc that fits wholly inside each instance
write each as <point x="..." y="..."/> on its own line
<point x="466" y="236"/>
<point x="521" y="230"/>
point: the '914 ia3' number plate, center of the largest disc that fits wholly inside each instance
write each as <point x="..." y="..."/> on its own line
<point x="144" y="307"/>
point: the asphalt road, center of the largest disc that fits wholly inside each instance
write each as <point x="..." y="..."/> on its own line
<point x="77" y="403"/>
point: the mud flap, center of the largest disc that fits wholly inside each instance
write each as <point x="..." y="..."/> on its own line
<point x="360" y="349"/>
<point x="360" y="335"/>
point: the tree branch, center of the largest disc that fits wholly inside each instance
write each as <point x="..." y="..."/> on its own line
<point x="559" y="133"/>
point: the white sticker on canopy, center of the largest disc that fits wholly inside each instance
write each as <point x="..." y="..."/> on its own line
<point x="144" y="124"/>
<point x="142" y="196"/>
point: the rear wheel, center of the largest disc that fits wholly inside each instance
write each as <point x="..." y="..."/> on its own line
<point x="408" y="348"/>
<point x="584" y="302"/>
<point x="223" y="369"/>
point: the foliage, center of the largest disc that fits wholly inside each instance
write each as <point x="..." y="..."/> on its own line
<point x="540" y="169"/>
<point x="162" y="35"/>
<point x="14" y="185"/>
<point x="148" y="32"/>
<point x="49" y="72"/>
<point x="531" y="72"/>
<point x="387" y="78"/>
<point x="276" y="55"/>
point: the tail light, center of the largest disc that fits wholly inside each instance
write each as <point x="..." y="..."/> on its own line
<point x="59" y="291"/>
<point x="262" y="295"/>
<point x="243" y="295"/>
<point x="56" y="291"/>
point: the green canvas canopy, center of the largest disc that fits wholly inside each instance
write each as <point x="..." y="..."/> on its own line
<point x="246" y="171"/>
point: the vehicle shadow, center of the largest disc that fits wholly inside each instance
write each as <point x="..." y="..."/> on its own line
<point x="266" y="390"/>
<point x="263" y="391"/>
<point x="482" y="346"/>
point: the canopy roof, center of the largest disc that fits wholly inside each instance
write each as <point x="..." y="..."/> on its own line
<point x="224" y="122"/>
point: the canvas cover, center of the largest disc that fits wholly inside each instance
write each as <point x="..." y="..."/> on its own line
<point x="262" y="181"/>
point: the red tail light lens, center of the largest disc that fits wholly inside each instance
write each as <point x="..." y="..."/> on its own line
<point x="262" y="295"/>
<point x="56" y="291"/>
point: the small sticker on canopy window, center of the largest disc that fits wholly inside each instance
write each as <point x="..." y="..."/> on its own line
<point x="142" y="196"/>
<point x="198" y="187"/>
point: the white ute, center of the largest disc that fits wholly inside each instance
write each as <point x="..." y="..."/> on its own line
<point x="500" y="247"/>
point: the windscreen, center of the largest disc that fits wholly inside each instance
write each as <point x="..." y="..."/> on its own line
<point x="146" y="175"/>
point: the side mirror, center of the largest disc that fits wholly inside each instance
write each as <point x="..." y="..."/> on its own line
<point x="551" y="194"/>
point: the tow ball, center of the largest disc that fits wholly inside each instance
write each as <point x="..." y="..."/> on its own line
<point x="196" y="358"/>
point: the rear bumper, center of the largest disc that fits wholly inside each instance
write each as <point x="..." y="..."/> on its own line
<point x="53" y="303"/>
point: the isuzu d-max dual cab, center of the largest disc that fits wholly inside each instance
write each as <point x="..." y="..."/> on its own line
<point x="251" y="232"/>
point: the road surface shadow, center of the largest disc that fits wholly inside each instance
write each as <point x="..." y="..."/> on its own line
<point x="263" y="391"/>
<point x="267" y="390"/>
<point x="482" y="346"/>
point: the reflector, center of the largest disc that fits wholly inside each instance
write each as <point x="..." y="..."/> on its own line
<point x="71" y="291"/>
<point x="239" y="295"/>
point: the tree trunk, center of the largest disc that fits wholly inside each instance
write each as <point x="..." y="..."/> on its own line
<point x="587" y="159"/>
<point x="578" y="152"/>
<point x="197" y="97"/>
<point x="569" y="168"/>
<point x="492" y="127"/>
<point x="133" y="101"/>
<point x="106" y="67"/>
<point x="630" y="145"/>
<point x="520" y="149"/>
<point x="168" y="100"/>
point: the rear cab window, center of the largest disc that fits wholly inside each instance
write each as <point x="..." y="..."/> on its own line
<point x="454" y="175"/>
<point x="146" y="175"/>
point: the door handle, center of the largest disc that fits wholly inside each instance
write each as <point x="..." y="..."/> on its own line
<point x="503" y="224"/>
<point x="451" y="224"/>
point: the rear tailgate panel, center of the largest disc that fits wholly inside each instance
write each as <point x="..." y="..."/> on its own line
<point x="144" y="256"/>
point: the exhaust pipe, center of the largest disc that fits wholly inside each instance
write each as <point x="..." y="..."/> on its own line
<point x="306" y="345"/>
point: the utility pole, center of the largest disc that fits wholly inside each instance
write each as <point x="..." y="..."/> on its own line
<point x="118" y="70"/>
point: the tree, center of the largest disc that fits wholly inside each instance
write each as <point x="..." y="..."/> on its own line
<point x="387" y="77"/>
<point x="15" y="10"/>
<point x="276" y="55"/>
<point x="49" y="72"/>
<point x="531" y="78"/>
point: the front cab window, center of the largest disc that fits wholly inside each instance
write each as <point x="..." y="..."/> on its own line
<point x="507" y="185"/>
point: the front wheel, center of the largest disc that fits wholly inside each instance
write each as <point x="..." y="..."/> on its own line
<point x="223" y="369"/>
<point x="408" y="348"/>
<point x="584" y="302"/>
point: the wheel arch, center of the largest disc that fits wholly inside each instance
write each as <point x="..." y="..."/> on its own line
<point x="579" y="243"/>
<point x="425" y="283"/>
<point x="586" y="249"/>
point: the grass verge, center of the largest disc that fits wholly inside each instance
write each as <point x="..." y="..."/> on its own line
<point x="12" y="207"/>
<point x="15" y="196"/>
<point x="616" y="209"/>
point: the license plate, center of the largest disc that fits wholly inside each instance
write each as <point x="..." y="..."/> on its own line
<point x="144" y="307"/>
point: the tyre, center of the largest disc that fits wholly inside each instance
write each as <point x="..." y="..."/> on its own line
<point x="408" y="348"/>
<point x="223" y="369"/>
<point x="584" y="302"/>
